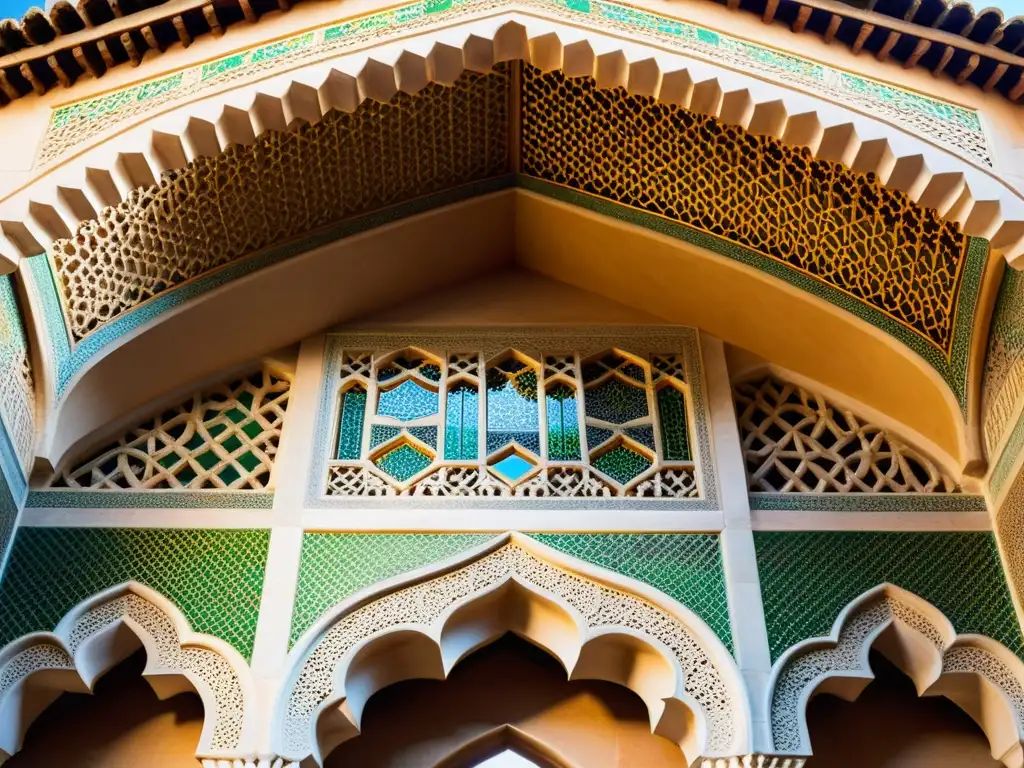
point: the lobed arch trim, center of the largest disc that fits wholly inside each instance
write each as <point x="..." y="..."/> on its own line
<point x="978" y="674"/>
<point x="62" y="196"/>
<point x="592" y="620"/>
<point x="102" y="631"/>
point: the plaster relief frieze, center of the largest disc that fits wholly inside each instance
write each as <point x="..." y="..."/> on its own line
<point x="956" y="127"/>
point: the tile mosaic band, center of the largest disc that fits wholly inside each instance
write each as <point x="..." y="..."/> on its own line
<point x="952" y="126"/>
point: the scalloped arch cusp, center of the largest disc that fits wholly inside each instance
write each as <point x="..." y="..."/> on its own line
<point x="514" y="568"/>
<point x="931" y="653"/>
<point x="84" y="647"/>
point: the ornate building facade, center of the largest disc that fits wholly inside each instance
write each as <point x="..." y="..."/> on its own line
<point x="565" y="383"/>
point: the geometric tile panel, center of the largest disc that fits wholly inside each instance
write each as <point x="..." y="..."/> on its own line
<point x="214" y="576"/>
<point x="336" y="565"/>
<point x="808" y="578"/>
<point x="685" y="566"/>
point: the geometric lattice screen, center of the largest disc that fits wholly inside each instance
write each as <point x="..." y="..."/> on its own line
<point x="458" y="421"/>
<point x="224" y="438"/>
<point x="795" y="441"/>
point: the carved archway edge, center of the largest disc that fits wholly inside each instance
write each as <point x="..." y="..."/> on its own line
<point x="89" y="640"/>
<point x="80" y="650"/>
<point x="934" y="176"/>
<point x="934" y="657"/>
<point x="425" y="603"/>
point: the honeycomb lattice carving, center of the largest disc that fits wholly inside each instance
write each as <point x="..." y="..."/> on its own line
<point x="422" y="604"/>
<point x="225" y="438"/>
<point x="837" y="226"/>
<point x="795" y="441"/>
<point x="218" y="209"/>
<point x="807" y="668"/>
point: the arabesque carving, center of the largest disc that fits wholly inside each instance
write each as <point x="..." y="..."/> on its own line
<point x="936" y="657"/>
<point x="77" y="647"/>
<point x="286" y="184"/>
<point x="840" y="227"/>
<point x="708" y="678"/>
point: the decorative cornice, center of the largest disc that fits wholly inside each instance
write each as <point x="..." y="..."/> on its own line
<point x="46" y="50"/>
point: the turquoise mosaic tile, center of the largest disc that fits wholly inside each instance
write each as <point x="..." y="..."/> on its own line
<point x="808" y="578"/>
<point x="336" y="565"/>
<point x="687" y="567"/>
<point x="214" y="576"/>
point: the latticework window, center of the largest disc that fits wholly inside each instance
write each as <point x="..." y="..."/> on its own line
<point x="795" y="441"/>
<point x="546" y="424"/>
<point x="224" y="438"/>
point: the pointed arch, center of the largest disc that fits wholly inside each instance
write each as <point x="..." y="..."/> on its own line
<point x="980" y="675"/>
<point x="598" y="624"/>
<point x="102" y="631"/>
<point x="505" y="738"/>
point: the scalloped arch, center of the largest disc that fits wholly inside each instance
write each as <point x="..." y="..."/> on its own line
<point x="589" y="619"/>
<point x="921" y="641"/>
<point x="65" y="194"/>
<point x="100" y="632"/>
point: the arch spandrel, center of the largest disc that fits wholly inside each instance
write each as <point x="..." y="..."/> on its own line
<point x="103" y="630"/>
<point x="313" y="708"/>
<point x="922" y="642"/>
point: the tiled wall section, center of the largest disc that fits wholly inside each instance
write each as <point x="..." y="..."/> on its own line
<point x="17" y="412"/>
<point x="214" y="576"/>
<point x="1003" y="381"/>
<point x="808" y="578"/>
<point x="687" y="567"/>
<point x="8" y="518"/>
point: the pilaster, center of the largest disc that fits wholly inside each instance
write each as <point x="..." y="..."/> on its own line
<point x="739" y="559"/>
<point x="290" y="474"/>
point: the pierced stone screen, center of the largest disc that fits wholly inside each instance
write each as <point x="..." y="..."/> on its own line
<point x="529" y="419"/>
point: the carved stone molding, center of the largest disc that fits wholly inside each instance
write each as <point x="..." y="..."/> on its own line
<point x="250" y="762"/>
<point x="935" y="658"/>
<point x="577" y="610"/>
<point x="90" y="640"/>
<point x="948" y="170"/>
